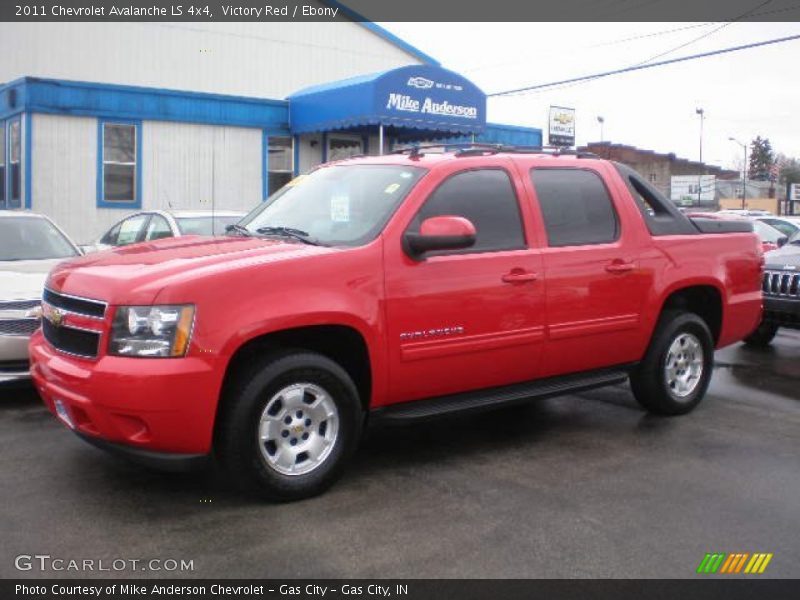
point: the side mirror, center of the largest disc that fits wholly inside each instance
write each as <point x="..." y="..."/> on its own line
<point x="440" y="233"/>
<point x="782" y="241"/>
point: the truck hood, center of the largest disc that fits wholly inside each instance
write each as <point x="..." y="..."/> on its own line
<point x="24" y="279"/>
<point x="787" y="258"/>
<point x="138" y="272"/>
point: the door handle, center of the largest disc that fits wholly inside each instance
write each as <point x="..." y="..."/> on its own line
<point x="620" y="267"/>
<point x="519" y="276"/>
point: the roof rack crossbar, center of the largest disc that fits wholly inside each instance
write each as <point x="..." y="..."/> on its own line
<point x="479" y="148"/>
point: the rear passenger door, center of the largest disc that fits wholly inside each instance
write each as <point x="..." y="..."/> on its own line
<point x="595" y="290"/>
<point x="473" y="318"/>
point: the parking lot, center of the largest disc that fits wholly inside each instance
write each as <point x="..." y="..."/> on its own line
<point x="579" y="486"/>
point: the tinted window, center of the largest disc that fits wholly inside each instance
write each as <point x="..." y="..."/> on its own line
<point x="575" y="207"/>
<point x="485" y="197"/>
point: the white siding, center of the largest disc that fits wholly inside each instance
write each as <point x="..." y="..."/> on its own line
<point x="310" y="155"/>
<point x="64" y="174"/>
<point x="189" y="166"/>
<point x="264" y="60"/>
<point x="183" y="166"/>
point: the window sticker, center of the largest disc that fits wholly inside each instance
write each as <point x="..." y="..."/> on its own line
<point x="340" y="208"/>
<point x="392" y="188"/>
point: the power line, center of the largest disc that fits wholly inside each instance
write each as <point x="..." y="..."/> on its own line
<point x="648" y="66"/>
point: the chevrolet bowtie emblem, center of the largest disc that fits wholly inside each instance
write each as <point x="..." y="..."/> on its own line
<point x="55" y="316"/>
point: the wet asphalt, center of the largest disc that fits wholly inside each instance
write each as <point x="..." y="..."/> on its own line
<point x="580" y="486"/>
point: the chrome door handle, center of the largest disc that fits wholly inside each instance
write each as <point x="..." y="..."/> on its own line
<point x="519" y="276"/>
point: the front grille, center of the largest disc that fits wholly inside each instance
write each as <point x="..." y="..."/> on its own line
<point x="19" y="304"/>
<point x="71" y="340"/>
<point x="781" y="283"/>
<point x="80" y="306"/>
<point x="23" y="327"/>
<point x="14" y="366"/>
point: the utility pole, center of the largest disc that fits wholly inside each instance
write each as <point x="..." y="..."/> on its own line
<point x="744" y="170"/>
<point x="701" y="113"/>
<point x="601" y="120"/>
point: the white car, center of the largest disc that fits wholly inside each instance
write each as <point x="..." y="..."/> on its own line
<point x="151" y="225"/>
<point x="787" y="225"/>
<point x="30" y="245"/>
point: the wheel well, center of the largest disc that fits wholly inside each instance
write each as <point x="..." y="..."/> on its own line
<point x="703" y="300"/>
<point x="343" y="345"/>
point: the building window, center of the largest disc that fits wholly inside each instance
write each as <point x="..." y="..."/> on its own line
<point x="652" y="177"/>
<point x="340" y="148"/>
<point x="280" y="162"/>
<point x="119" y="155"/>
<point x="13" y="170"/>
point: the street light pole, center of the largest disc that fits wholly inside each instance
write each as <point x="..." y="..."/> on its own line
<point x="702" y="114"/>
<point x="744" y="170"/>
<point x="601" y="120"/>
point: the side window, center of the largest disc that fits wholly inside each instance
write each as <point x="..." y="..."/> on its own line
<point x="486" y="197"/>
<point x="110" y="238"/>
<point x="157" y="229"/>
<point x="575" y="207"/>
<point x="782" y="226"/>
<point x="130" y="229"/>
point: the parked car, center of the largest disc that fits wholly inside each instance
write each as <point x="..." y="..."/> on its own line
<point x="771" y="238"/>
<point x="152" y="225"/>
<point x="781" y="288"/>
<point x="392" y="288"/>
<point x="745" y="212"/>
<point x="30" y="245"/>
<point x="787" y="225"/>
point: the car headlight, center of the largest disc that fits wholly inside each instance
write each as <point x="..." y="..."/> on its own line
<point x="151" y="331"/>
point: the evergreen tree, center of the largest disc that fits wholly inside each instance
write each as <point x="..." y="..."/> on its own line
<point x="761" y="159"/>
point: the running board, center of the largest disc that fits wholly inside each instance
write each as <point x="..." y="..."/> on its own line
<point x="491" y="398"/>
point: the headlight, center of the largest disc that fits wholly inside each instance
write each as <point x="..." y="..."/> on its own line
<point x="151" y="331"/>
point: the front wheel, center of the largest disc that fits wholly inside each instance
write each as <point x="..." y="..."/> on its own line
<point x="289" y="425"/>
<point x="676" y="370"/>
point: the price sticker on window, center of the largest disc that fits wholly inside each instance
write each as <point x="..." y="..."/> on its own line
<point x="392" y="188"/>
<point x="340" y="208"/>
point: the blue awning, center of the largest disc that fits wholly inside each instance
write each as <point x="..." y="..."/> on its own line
<point x="421" y="97"/>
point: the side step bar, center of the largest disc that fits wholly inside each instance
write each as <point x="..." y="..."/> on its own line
<point x="490" y="398"/>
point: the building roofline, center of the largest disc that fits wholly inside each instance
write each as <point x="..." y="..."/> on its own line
<point x="384" y="33"/>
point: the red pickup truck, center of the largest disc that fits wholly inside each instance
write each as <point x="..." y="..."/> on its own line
<point x="391" y="288"/>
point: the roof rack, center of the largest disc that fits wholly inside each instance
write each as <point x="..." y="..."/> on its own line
<point x="479" y="148"/>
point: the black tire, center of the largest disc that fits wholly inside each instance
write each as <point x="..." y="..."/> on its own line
<point x="239" y="448"/>
<point x="762" y="336"/>
<point x="649" y="380"/>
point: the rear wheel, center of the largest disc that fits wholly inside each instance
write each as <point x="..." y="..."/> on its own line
<point x="762" y="336"/>
<point x="289" y="425"/>
<point x="676" y="370"/>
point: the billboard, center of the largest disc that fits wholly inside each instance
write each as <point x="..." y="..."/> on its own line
<point x="692" y="189"/>
<point x="561" y="126"/>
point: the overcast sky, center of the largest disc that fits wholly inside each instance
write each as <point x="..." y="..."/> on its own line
<point x="744" y="94"/>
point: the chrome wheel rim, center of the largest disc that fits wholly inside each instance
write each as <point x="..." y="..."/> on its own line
<point x="683" y="368"/>
<point x="298" y="429"/>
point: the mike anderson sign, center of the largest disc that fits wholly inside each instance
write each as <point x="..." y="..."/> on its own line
<point x="403" y="102"/>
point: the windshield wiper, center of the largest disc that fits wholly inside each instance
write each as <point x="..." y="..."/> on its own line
<point x="290" y="232"/>
<point x="239" y="229"/>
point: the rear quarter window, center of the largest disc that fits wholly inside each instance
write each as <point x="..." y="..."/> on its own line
<point x="576" y="207"/>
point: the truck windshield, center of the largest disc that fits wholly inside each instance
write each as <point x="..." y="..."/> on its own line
<point x="340" y="205"/>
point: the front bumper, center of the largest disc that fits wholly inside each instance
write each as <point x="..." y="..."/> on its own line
<point x="782" y="311"/>
<point x="14" y="365"/>
<point x="157" y="405"/>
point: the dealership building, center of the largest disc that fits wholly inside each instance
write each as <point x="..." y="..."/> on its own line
<point x="98" y="120"/>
